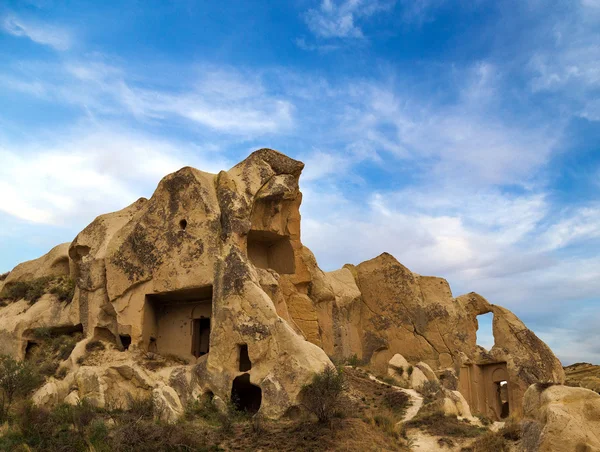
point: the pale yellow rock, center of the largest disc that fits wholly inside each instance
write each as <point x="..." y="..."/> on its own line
<point x="167" y="406"/>
<point x="417" y="378"/>
<point x="424" y="367"/>
<point x="570" y="417"/>
<point x="72" y="398"/>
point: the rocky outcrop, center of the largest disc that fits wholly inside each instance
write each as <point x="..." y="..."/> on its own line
<point x="54" y="263"/>
<point x="567" y="418"/>
<point x="211" y="270"/>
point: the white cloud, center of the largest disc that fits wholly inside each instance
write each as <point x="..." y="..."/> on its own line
<point x="90" y="171"/>
<point x="337" y="19"/>
<point x="44" y="34"/>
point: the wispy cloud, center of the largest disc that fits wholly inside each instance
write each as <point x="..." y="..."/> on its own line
<point x="78" y="174"/>
<point x="38" y="32"/>
<point x="224" y="100"/>
<point x="339" y="19"/>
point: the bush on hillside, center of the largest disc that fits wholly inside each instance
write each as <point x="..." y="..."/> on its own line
<point x="322" y="396"/>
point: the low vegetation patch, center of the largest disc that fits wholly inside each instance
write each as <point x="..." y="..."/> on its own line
<point x="62" y="286"/>
<point x="431" y="392"/>
<point x="397" y="401"/>
<point x="490" y="442"/>
<point x="48" y="349"/>
<point x="438" y="424"/>
<point x="94" y="346"/>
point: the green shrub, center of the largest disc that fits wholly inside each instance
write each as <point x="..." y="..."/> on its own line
<point x="62" y="286"/>
<point x="17" y="379"/>
<point x="322" y="396"/>
<point x="410" y="370"/>
<point x="354" y="361"/>
<point x="64" y="289"/>
<point x="202" y="408"/>
<point x="31" y="291"/>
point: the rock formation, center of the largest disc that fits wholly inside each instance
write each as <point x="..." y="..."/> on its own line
<point x="561" y="419"/>
<point x="211" y="271"/>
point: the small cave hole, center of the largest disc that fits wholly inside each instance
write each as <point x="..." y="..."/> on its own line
<point x="183" y="224"/>
<point x="125" y="341"/>
<point x="245" y="363"/>
<point x="152" y="347"/>
<point x="244" y="395"/>
<point x="485" y="334"/>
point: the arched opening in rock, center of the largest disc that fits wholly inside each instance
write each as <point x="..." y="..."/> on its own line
<point x="180" y="322"/>
<point x="485" y="334"/>
<point x="269" y="250"/>
<point x="502" y="390"/>
<point x="244" y="395"/>
<point x="183" y="224"/>
<point x="125" y="341"/>
<point x="245" y="363"/>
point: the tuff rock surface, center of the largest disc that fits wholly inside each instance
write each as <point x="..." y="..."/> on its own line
<point x="568" y="418"/>
<point x="232" y="240"/>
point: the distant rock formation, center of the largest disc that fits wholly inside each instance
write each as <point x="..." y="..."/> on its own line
<point x="211" y="271"/>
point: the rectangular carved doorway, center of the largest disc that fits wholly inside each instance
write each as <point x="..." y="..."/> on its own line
<point x="200" y="336"/>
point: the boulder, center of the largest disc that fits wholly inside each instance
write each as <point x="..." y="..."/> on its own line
<point x="167" y="406"/>
<point x="569" y="418"/>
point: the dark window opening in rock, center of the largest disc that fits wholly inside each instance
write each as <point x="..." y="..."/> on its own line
<point x="245" y="396"/>
<point x="30" y="349"/>
<point x="208" y="396"/>
<point x="485" y="335"/>
<point x="152" y="347"/>
<point x="270" y="250"/>
<point x="125" y="341"/>
<point x="245" y="363"/>
<point x="180" y="321"/>
<point x="502" y="392"/>
<point x="183" y="224"/>
<point x="201" y="337"/>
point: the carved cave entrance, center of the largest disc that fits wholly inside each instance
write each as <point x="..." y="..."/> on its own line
<point x="269" y="250"/>
<point x="246" y="396"/>
<point x="179" y="322"/>
<point x="487" y="389"/>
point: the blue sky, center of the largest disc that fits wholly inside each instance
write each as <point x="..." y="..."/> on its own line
<point x="463" y="137"/>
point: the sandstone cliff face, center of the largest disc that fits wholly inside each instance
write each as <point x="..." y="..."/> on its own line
<point x="211" y="269"/>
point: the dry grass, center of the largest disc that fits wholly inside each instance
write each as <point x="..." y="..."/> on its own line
<point x="437" y="424"/>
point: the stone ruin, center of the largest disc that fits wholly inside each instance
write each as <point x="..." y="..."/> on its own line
<point x="211" y="273"/>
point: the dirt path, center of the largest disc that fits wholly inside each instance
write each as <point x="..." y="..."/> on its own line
<point x="416" y="401"/>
